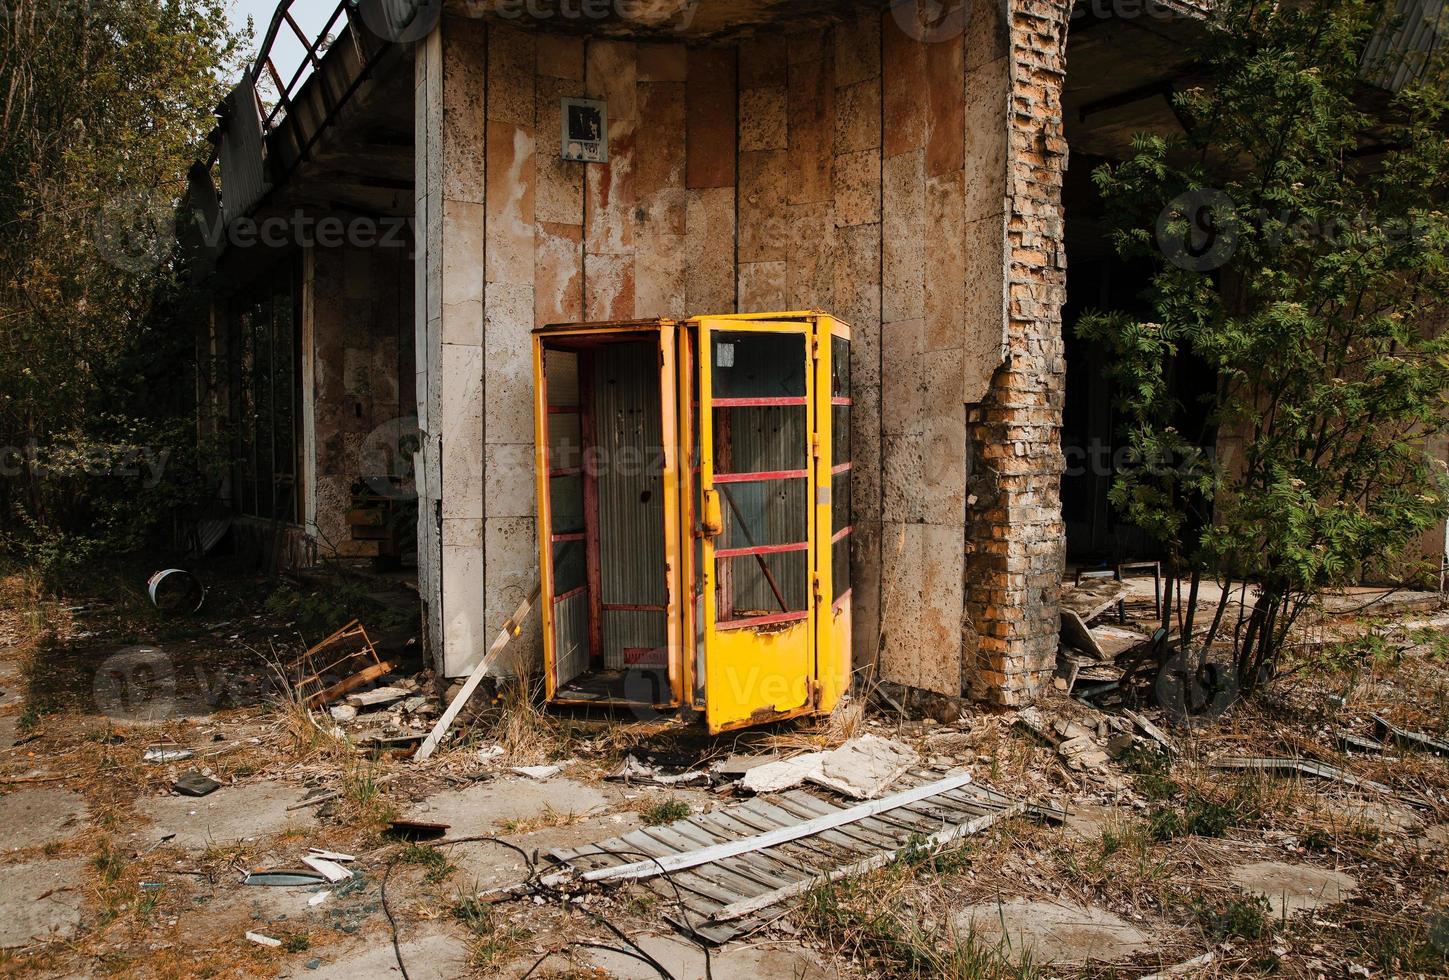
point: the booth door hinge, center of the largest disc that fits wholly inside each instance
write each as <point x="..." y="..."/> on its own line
<point x="815" y="587"/>
<point x="815" y="445"/>
<point x="814" y="348"/>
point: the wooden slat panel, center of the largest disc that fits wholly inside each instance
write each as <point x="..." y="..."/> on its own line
<point x="721" y="879"/>
<point x="870" y="834"/>
<point x="826" y="848"/>
<point x="797" y="854"/>
<point x="771" y="862"/>
<point x="687" y="837"/>
<point x="840" y="838"/>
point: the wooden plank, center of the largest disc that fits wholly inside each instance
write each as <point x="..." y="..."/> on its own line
<point x="755" y="904"/>
<point x="839" y="818"/>
<point x="797" y="854"/>
<point x="511" y="628"/>
<point x="737" y="879"/>
<point x="848" y="841"/>
<point x="350" y="684"/>
<point x="873" y="833"/>
<point x="766" y="864"/>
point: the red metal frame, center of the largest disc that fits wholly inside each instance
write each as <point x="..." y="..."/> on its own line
<point x="735" y="624"/>
<point x="762" y="549"/>
<point x="758" y="402"/>
<point x="764" y="477"/>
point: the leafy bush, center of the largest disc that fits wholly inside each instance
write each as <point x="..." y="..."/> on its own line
<point x="1298" y="244"/>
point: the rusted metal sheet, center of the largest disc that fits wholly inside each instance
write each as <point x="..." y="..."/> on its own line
<point x="241" y="154"/>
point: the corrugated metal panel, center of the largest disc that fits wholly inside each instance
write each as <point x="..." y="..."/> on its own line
<point x="1401" y="47"/>
<point x="571" y="632"/>
<point x="631" y="495"/>
<point x="241" y="154"/>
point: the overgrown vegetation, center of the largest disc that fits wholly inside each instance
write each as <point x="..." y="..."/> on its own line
<point x="1298" y="245"/>
<point x="106" y="106"/>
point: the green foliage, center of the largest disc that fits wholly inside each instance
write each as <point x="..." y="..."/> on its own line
<point x="1236" y="918"/>
<point x="1306" y="268"/>
<point x="107" y="105"/>
<point x="438" y="867"/>
<point x="665" y="811"/>
<point x="920" y="855"/>
<point x="1198" y="817"/>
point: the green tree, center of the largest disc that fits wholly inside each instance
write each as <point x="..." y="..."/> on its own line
<point x="103" y="107"/>
<point x="1298" y="244"/>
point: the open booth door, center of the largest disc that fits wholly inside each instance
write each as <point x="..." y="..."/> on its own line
<point x="758" y="449"/>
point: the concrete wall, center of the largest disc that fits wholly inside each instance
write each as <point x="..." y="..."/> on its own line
<point x="861" y="169"/>
<point x="357" y="307"/>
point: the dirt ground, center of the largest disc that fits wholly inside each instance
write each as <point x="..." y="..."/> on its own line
<point x="1166" y="865"/>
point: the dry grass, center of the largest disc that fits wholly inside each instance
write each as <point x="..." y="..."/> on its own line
<point x="541" y="821"/>
<point x="526" y="733"/>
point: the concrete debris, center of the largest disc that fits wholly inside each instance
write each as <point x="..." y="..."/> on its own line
<point x="262" y="940"/>
<point x="194" y="783"/>
<point x="166" y="753"/>
<point x="342" y="712"/>
<point x="376" y="697"/>
<point x="489" y="752"/>
<point x="1291" y="888"/>
<point x="1185" y="967"/>
<point x="861" y="768"/>
<point x="538" y="772"/>
<point x="319" y="898"/>
<point x="1151" y="731"/>
<point x="330" y="855"/>
<point x="737" y="765"/>
<point x="776" y="777"/>
<point x="1082" y="752"/>
<point x="634" y="771"/>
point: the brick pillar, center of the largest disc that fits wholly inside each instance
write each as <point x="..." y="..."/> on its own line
<point x="1016" y="544"/>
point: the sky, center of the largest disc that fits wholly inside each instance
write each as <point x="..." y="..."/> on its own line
<point x="310" y="14"/>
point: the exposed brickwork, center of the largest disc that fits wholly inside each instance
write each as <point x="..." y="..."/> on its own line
<point x="1016" y="544"/>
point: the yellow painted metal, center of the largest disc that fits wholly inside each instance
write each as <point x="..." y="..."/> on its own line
<point x="545" y="520"/>
<point x="833" y="654"/>
<point x="757" y="674"/>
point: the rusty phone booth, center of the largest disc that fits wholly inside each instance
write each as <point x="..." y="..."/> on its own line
<point x="693" y="485"/>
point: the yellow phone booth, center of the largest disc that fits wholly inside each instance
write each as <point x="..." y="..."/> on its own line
<point x="694" y="513"/>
